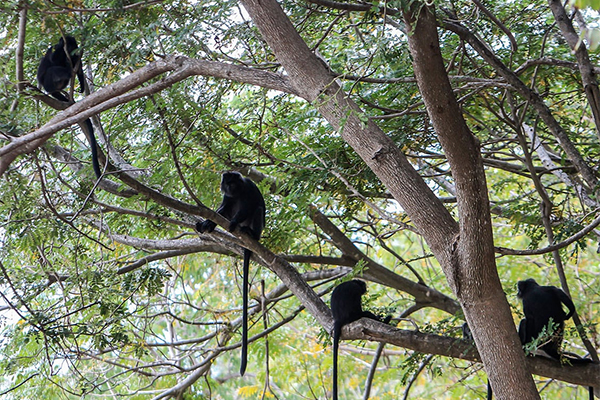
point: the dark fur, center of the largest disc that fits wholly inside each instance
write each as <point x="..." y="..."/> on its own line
<point x="540" y="305"/>
<point x="346" y="307"/>
<point x="57" y="66"/>
<point x="54" y="74"/>
<point x="244" y="206"/>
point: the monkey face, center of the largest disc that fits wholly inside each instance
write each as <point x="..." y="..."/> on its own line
<point x="362" y="286"/>
<point x="525" y="286"/>
<point x="71" y="42"/>
<point x="232" y="183"/>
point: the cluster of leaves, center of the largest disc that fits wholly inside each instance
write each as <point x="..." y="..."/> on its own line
<point x="87" y="329"/>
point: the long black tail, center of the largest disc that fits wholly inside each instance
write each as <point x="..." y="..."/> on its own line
<point x="489" y="393"/>
<point x="337" y="332"/>
<point x="245" y="273"/>
<point x="93" y="146"/>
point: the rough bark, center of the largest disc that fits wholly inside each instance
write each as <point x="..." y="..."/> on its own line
<point x="313" y="82"/>
<point x="476" y="281"/>
<point x="465" y="253"/>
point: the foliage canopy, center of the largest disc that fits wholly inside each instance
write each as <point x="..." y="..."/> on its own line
<point x="107" y="290"/>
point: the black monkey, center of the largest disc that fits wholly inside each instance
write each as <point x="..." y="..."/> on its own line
<point x="244" y="206"/>
<point x="540" y="305"/>
<point x="54" y="74"/>
<point x="468" y="335"/>
<point x="346" y="307"/>
<point x="57" y="67"/>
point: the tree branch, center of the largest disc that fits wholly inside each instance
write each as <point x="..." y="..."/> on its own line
<point x="117" y="93"/>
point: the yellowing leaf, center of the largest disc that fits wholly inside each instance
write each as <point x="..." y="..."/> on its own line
<point x="247" y="391"/>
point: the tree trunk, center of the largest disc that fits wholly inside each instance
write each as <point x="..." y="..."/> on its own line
<point x="474" y="279"/>
<point x="465" y="252"/>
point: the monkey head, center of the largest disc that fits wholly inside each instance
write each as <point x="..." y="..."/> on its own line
<point x="525" y="286"/>
<point x="232" y="183"/>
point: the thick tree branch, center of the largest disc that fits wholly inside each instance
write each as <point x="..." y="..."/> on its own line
<point x="313" y="82"/>
<point x="117" y="93"/>
<point x="585" y="375"/>
<point x="423" y="295"/>
<point x="288" y="274"/>
<point x="475" y="279"/>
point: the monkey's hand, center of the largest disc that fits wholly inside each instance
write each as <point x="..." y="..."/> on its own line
<point x="205" y="226"/>
<point x="232" y="225"/>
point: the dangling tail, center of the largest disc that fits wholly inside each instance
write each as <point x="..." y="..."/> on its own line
<point x="337" y="332"/>
<point x="245" y="273"/>
<point x="93" y="147"/>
